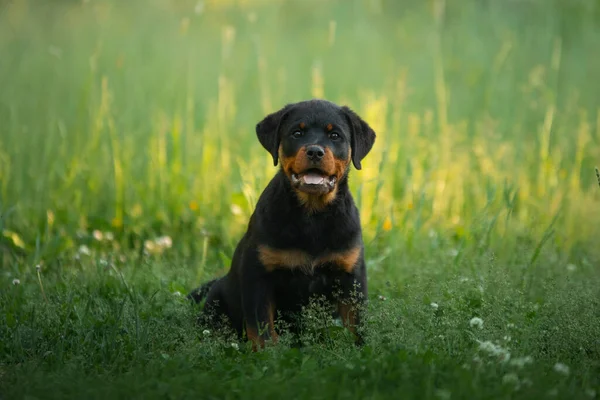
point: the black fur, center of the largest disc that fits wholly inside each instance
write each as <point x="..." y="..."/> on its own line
<point x="281" y="221"/>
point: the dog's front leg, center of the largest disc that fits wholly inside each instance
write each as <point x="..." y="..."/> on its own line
<point x="351" y="302"/>
<point x="259" y="310"/>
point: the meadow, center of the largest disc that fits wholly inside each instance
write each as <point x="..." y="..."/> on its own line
<point x="129" y="167"/>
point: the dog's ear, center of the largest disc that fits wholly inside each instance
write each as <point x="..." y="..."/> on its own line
<point x="362" y="139"/>
<point x="268" y="133"/>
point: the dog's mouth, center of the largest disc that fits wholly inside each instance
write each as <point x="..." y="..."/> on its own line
<point x="314" y="181"/>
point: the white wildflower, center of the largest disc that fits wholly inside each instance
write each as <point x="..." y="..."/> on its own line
<point x="97" y="235"/>
<point x="494" y="350"/>
<point x="16" y="282"/>
<point x="177" y="294"/>
<point x="235" y="346"/>
<point x="476" y="322"/>
<point x="165" y="242"/>
<point x="511" y="378"/>
<point x="83" y="249"/>
<point x="510" y="325"/>
<point x="206" y="332"/>
<point x="199" y="7"/>
<point x="236" y="210"/>
<point x="443" y="394"/>
<point x="435" y="306"/>
<point x="520" y="362"/>
<point x="38" y="267"/>
<point x="382" y="298"/>
<point x="561" y="368"/>
<point x="507" y="338"/>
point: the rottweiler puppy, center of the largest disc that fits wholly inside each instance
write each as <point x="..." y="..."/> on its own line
<point x="304" y="237"/>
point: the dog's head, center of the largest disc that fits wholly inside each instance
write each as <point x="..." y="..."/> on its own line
<point x="315" y="140"/>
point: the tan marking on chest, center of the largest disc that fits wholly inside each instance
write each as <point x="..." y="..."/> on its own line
<point x="297" y="259"/>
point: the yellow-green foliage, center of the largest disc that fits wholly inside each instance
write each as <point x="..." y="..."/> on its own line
<point x="140" y="114"/>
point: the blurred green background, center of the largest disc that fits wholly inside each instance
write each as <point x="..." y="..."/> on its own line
<point x="137" y="118"/>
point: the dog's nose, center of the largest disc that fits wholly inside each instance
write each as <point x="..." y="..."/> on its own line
<point x="315" y="153"/>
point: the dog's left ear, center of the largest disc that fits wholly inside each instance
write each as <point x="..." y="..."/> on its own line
<point x="268" y="133"/>
<point x="362" y="139"/>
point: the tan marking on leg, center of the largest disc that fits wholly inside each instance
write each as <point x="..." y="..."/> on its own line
<point x="348" y="314"/>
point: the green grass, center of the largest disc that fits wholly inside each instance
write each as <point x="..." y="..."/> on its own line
<point x="137" y="118"/>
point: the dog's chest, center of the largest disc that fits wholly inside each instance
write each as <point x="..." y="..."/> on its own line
<point x="300" y="260"/>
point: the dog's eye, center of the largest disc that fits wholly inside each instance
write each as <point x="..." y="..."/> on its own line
<point x="297" y="134"/>
<point x="334" y="136"/>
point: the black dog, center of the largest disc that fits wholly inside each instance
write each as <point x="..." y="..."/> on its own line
<point x="304" y="237"/>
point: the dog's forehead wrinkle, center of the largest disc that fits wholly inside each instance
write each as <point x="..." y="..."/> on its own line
<point x="318" y="119"/>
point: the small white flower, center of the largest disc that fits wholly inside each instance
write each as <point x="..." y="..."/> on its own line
<point x="476" y="322"/>
<point x="464" y="279"/>
<point x="177" y="294"/>
<point x="561" y="368"/>
<point x="83" y="249"/>
<point x="165" y="242"/>
<point x="235" y="346"/>
<point x="206" y="332"/>
<point x="38" y="267"/>
<point x="382" y="298"/>
<point x="236" y="210"/>
<point x="149" y="245"/>
<point x="97" y="235"/>
<point x="571" y="267"/>
<point x="510" y="325"/>
<point x="520" y="362"/>
<point x="494" y="350"/>
<point x="103" y="262"/>
<point x="199" y="8"/>
<point x="435" y="306"/>
<point x="443" y="394"/>
<point x="507" y="338"/>
<point x="16" y="282"/>
<point x="511" y="378"/>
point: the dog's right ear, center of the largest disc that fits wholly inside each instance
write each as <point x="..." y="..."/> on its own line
<point x="268" y="133"/>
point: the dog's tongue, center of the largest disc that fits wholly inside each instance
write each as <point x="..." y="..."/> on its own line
<point x="313" y="179"/>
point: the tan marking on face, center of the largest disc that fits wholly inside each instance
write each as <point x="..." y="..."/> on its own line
<point x="330" y="165"/>
<point x="302" y="125"/>
<point x="329" y="127"/>
<point x="297" y="259"/>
